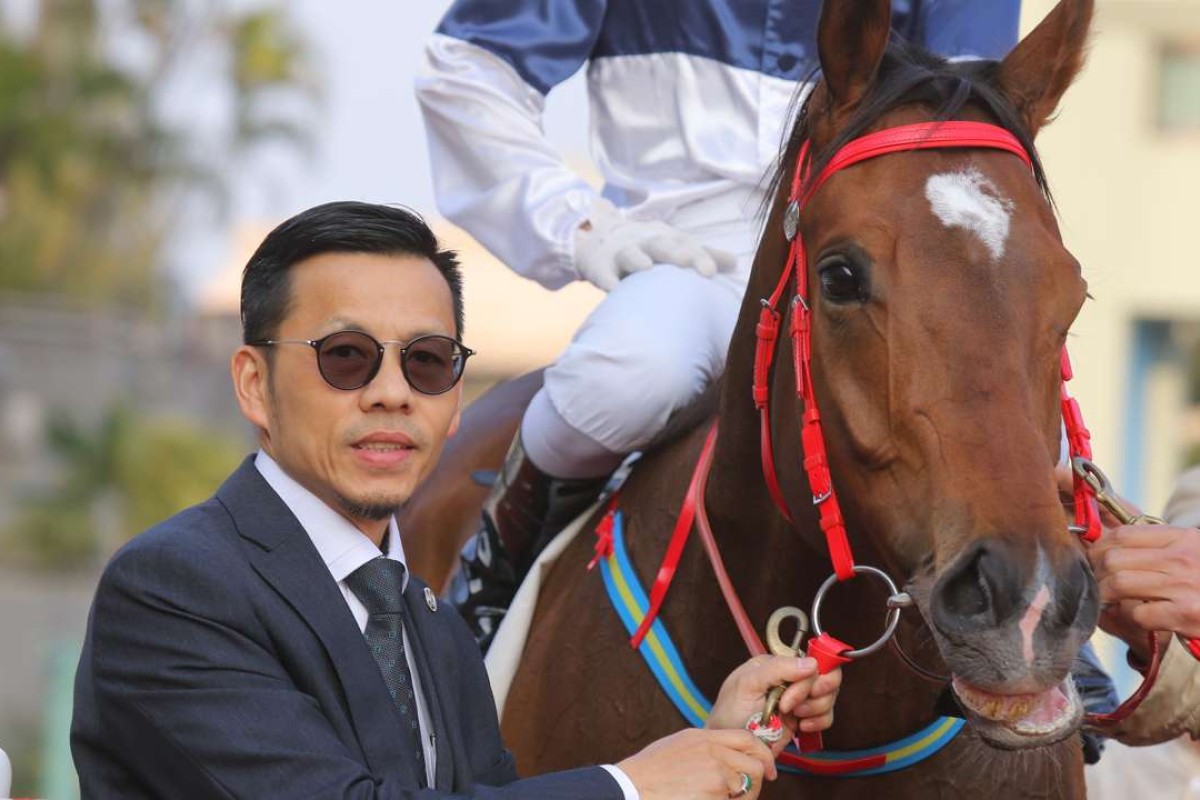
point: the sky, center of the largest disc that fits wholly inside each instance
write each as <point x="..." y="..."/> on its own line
<point x="370" y="142"/>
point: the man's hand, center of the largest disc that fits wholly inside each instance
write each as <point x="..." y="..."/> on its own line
<point x="700" y="764"/>
<point x="807" y="704"/>
<point x="1149" y="575"/>
<point x="610" y="246"/>
<point x="1149" y="578"/>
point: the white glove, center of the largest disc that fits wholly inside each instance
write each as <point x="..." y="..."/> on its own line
<point x="610" y="246"/>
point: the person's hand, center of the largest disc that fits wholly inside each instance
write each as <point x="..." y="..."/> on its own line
<point x="700" y="764"/>
<point x="610" y="246"/>
<point x="1121" y="612"/>
<point x="807" y="704"/>
<point x="1149" y="578"/>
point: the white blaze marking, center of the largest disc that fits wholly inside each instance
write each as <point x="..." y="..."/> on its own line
<point x="969" y="200"/>
<point x="1033" y="615"/>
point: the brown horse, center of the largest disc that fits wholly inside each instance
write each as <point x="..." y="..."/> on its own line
<point x="941" y="298"/>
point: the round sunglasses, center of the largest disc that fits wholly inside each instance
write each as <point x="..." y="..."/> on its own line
<point x="349" y="360"/>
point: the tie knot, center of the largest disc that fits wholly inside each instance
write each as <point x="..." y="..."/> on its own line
<point x="379" y="585"/>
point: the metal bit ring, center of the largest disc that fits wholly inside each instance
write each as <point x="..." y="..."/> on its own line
<point x="896" y="600"/>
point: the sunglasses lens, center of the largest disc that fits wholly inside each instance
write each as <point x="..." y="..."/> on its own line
<point x="433" y="364"/>
<point x="348" y="360"/>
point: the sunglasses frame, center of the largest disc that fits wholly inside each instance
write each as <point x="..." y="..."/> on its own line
<point x="380" y="349"/>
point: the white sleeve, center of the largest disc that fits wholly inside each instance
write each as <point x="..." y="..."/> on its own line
<point x="630" y="791"/>
<point x="494" y="172"/>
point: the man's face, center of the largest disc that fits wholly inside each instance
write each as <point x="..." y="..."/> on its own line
<point x="362" y="451"/>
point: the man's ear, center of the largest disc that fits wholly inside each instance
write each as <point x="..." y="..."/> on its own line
<point x="248" y="368"/>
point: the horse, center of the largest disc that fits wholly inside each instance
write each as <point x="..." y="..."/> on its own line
<point x="940" y="303"/>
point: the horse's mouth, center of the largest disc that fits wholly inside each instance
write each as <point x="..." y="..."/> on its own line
<point x="1018" y="721"/>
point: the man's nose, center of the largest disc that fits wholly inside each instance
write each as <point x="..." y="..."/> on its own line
<point x="389" y="388"/>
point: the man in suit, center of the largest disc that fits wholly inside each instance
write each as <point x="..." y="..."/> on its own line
<point x="270" y="642"/>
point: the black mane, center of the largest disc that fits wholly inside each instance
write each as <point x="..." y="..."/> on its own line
<point x="910" y="75"/>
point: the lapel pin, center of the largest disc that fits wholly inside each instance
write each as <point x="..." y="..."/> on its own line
<point x="430" y="600"/>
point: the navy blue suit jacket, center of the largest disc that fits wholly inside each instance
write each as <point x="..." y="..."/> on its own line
<point x="221" y="660"/>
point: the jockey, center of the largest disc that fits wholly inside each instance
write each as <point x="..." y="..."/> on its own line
<point x="685" y="119"/>
<point x="688" y="106"/>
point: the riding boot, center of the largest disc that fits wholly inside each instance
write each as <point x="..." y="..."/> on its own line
<point x="524" y="511"/>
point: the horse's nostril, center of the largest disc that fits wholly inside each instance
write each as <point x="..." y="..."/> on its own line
<point x="1076" y="601"/>
<point x="977" y="592"/>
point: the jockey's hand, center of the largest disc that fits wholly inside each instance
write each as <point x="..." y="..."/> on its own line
<point x="610" y="246"/>
<point x="806" y="705"/>
<point x="701" y="764"/>
<point x="1149" y="578"/>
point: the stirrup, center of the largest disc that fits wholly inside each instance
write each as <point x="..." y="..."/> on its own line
<point x="522" y="514"/>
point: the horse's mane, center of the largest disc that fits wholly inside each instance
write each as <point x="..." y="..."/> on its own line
<point x="910" y="75"/>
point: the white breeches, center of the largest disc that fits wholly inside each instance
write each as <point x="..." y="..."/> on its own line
<point x="650" y="348"/>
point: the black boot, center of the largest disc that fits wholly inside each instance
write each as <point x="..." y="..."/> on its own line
<point x="524" y="511"/>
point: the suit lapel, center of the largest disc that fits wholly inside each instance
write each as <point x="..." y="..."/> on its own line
<point x="433" y="646"/>
<point x="287" y="559"/>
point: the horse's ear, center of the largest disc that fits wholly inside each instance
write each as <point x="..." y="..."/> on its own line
<point x="851" y="38"/>
<point x="1038" y="71"/>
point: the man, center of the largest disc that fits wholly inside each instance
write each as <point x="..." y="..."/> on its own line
<point x="1149" y="579"/>
<point x="688" y="105"/>
<point x="270" y="643"/>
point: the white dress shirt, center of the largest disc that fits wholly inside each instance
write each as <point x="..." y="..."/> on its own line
<point x="344" y="548"/>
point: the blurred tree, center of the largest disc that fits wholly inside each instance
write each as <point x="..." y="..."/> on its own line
<point x="119" y="478"/>
<point x="93" y="169"/>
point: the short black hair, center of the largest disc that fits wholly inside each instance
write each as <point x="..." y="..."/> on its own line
<point x="340" y="227"/>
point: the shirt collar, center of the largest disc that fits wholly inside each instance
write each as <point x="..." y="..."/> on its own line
<point x="343" y="547"/>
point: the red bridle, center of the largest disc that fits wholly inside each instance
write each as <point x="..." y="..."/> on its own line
<point x="829" y="651"/>
<point x="919" y="136"/>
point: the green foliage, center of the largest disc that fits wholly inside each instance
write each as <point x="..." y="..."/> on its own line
<point x="169" y="465"/>
<point x="92" y="174"/>
<point x="119" y="478"/>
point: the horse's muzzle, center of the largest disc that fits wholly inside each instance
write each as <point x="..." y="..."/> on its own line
<point x="1009" y="629"/>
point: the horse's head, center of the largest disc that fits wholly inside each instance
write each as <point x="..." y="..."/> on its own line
<point x="941" y="296"/>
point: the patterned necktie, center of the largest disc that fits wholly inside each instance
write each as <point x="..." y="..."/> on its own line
<point x="378" y="586"/>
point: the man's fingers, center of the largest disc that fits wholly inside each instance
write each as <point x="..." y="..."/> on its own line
<point x="1137" y="585"/>
<point x="829" y="683"/>
<point x="813" y="707"/>
<point x="1146" y="536"/>
<point x="797" y="694"/>
<point x="746" y="743"/>
<point x="1153" y="616"/>
<point x="759" y="677"/>
<point x="1113" y="560"/>
<point x="756" y="768"/>
<point x="816" y="724"/>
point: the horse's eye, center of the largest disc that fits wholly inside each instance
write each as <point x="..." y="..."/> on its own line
<point x="841" y="283"/>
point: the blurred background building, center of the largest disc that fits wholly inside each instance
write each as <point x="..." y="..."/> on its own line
<point x="147" y="147"/>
